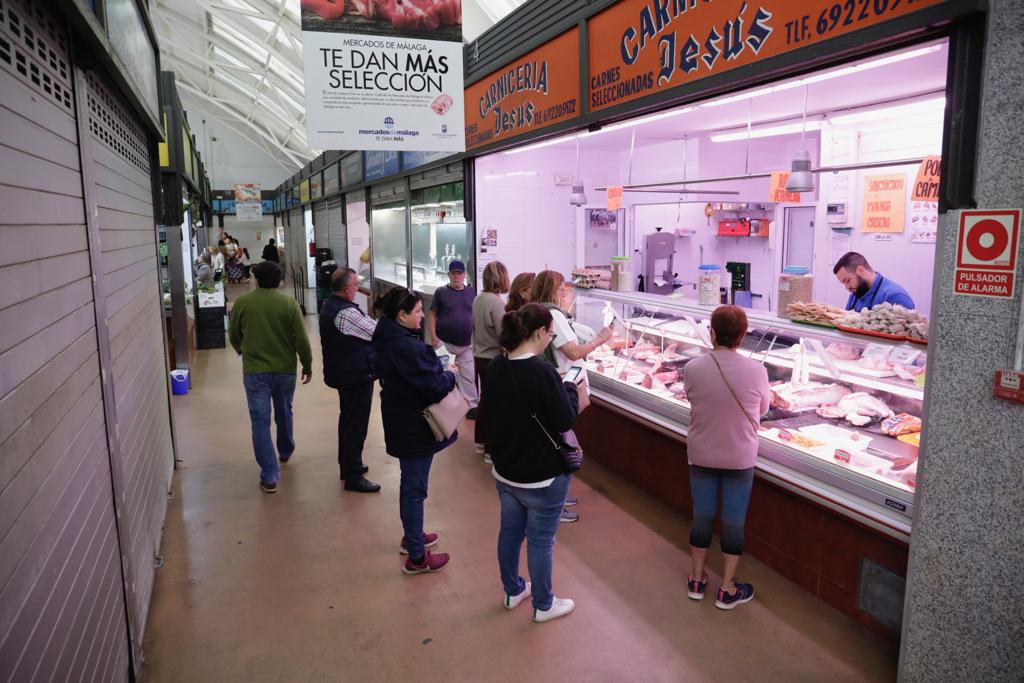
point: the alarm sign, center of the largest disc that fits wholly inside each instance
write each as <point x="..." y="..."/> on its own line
<point x="986" y="254"/>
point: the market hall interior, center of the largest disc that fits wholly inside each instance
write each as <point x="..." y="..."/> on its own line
<point x="307" y="584"/>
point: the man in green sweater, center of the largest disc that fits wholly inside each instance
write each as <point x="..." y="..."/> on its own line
<point x="267" y="329"/>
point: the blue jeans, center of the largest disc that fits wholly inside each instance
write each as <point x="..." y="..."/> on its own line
<point x="263" y="389"/>
<point x="533" y="514"/>
<point x="736" y="485"/>
<point x="412" y="491"/>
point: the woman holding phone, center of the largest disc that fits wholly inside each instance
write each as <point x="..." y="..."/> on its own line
<point x="528" y="407"/>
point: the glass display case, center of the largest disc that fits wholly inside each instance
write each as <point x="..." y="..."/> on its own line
<point x="845" y="420"/>
<point x="390" y="260"/>
<point x="440" y="235"/>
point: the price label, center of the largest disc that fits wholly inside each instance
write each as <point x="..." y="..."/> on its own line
<point x="876" y="352"/>
<point x="904" y="356"/>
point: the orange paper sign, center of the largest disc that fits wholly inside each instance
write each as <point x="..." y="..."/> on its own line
<point x="777" y="190"/>
<point x="537" y="90"/>
<point x="614" y="197"/>
<point x="926" y="186"/>
<point x="885" y="198"/>
<point x="640" y="47"/>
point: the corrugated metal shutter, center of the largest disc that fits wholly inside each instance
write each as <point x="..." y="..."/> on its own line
<point x="122" y="188"/>
<point x="62" y="613"/>
<point x="320" y="227"/>
<point x="337" y="238"/>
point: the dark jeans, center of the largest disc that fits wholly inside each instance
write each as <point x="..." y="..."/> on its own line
<point x="412" y="491"/>
<point x="533" y="514"/>
<point x="736" y="485"/>
<point x="352" y="424"/>
<point x="480" y="434"/>
<point x="263" y="390"/>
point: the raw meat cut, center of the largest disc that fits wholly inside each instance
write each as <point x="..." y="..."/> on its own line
<point x="798" y="398"/>
<point x="678" y="389"/>
<point x="908" y="372"/>
<point x="442" y="104"/>
<point x="667" y="377"/>
<point x="327" y="9"/>
<point x="875" y="364"/>
<point x="904" y="423"/>
<point x="858" y="408"/>
<point x="843" y="351"/>
<point x="414" y="14"/>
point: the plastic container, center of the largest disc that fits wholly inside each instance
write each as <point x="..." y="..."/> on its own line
<point x="709" y="284"/>
<point x="179" y="382"/>
<point x="622" y="278"/>
<point x="796" y="285"/>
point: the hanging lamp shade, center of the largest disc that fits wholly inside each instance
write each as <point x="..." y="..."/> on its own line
<point x="577" y="198"/>
<point x="800" y="178"/>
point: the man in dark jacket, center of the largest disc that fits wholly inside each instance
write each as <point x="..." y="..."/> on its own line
<point x="270" y="251"/>
<point x="345" y="335"/>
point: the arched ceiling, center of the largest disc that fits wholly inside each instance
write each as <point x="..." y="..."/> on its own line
<point x="242" y="59"/>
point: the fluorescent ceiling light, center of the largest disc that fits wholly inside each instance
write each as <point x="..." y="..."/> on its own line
<point x="903" y="111"/>
<point x="828" y="75"/>
<point x="539" y="145"/>
<point x="766" y="132"/>
<point x="637" y="122"/>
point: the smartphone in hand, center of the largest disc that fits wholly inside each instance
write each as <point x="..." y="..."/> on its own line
<point x="574" y="375"/>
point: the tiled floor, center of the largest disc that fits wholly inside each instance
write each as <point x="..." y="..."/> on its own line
<point x="306" y="585"/>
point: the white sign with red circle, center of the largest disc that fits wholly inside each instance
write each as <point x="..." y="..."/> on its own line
<point x="986" y="253"/>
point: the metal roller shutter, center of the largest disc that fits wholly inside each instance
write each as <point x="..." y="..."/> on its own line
<point x="337" y="237"/>
<point x="320" y="226"/>
<point x="121" y="187"/>
<point x="62" y="613"/>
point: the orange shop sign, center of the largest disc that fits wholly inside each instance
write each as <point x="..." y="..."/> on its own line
<point x="530" y="93"/>
<point x="639" y="47"/>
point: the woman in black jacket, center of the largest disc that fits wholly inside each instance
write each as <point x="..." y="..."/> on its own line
<point x="411" y="378"/>
<point x="531" y="478"/>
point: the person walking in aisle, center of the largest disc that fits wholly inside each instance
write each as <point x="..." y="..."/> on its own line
<point x="527" y="402"/>
<point x="218" y="259"/>
<point x="268" y="331"/>
<point x="728" y="394"/>
<point x="270" y="251"/>
<point x="345" y="336"/>
<point x="519" y="291"/>
<point x="411" y="379"/>
<point x="488" y="309"/>
<point x="450" y="324"/>
<point x="549" y="290"/>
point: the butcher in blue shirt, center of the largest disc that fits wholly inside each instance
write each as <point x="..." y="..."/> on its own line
<point x="868" y="288"/>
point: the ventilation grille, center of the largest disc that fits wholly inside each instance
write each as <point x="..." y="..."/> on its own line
<point x="111" y="124"/>
<point x="35" y="50"/>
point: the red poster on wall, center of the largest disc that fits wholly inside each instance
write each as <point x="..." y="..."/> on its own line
<point x="535" y="91"/>
<point x="640" y="47"/>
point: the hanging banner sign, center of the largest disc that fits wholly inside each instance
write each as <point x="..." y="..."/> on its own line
<point x="885" y="199"/>
<point x="777" y="193"/>
<point x="383" y="75"/>
<point x="986" y="253"/>
<point x="614" y="199"/>
<point x="304" y="191"/>
<point x="926" y="185"/>
<point x="248" y="206"/>
<point x="640" y="47"/>
<point x="530" y="93"/>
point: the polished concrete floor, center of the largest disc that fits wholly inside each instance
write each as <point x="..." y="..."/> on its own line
<point x="305" y="585"/>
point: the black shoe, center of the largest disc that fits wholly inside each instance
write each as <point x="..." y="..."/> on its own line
<point x="363" y="470"/>
<point x="362" y="485"/>
<point x="471" y="414"/>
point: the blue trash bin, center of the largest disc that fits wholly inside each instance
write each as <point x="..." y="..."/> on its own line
<point x="179" y="382"/>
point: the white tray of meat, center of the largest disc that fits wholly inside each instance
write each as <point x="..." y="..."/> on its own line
<point x="798" y="398"/>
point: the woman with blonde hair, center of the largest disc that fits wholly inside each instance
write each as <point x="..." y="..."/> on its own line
<point x="519" y="291"/>
<point x="488" y="309"/>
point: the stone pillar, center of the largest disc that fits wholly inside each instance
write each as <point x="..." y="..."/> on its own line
<point x="964" y="612"/>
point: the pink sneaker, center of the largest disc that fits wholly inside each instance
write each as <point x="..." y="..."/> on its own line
<point x="429" y="541"/>
<point x="431" y="563"/>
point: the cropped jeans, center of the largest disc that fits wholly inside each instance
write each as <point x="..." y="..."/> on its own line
<point x="736" y="486"/>
<point x="533" y="514"/>
<point x="412" y="491"/>
<point x="263" y="390"/>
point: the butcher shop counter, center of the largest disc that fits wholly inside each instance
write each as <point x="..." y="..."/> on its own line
<point x="835" y="477"/>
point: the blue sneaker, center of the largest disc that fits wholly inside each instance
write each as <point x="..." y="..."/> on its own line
<point x="744" y="593"/>
<point x="695" y="589"/>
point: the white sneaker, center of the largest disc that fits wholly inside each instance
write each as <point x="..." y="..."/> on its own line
<point x="559" y="608"/>
<point x="479" y="448"/>
<point x="512" y="601"/>
<point x="487" y="459"/>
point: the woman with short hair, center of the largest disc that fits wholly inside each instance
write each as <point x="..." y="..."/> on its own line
<point x="728" y="394"/>
<point x="488" y="309"/>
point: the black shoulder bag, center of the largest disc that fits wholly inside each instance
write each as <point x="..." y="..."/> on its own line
<point x="566" y="444"/>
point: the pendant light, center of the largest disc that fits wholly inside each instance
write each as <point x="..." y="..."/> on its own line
<point x="578" y="198"/>
<point x="800" y="178"/>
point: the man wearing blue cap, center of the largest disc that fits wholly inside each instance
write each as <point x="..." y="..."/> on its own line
<point x="450" y="324"/>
